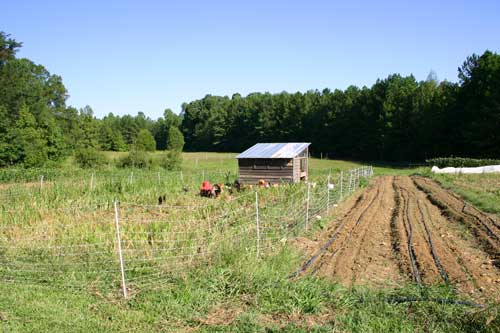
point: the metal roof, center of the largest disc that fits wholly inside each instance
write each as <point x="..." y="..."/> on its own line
<point x="274" y="150"/>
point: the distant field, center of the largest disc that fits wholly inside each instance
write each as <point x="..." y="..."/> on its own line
<point x="191" y="263"/>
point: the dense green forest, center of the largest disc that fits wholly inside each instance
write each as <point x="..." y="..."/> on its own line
<point x="36" y="125"/>
<point x="397" y="119"/>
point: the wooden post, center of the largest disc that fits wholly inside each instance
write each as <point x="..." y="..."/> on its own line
<point x="257" y="222"/>
<point x="307" y="205"/>
<point x="120" y="256"/>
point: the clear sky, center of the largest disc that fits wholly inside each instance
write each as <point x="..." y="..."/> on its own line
<point x="128" y="56"/>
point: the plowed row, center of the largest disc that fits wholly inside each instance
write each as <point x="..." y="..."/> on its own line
<point x="402" y="229"/>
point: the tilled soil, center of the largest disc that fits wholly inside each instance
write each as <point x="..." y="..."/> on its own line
<point x="410" y="229"/>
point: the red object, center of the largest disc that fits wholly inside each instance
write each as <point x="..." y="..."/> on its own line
<point x="206" y="186"/>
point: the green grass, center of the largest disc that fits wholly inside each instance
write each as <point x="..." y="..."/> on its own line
<point x="258" y="296"/>
<point x="481" y="190"/>
<point x="229" y="290"/>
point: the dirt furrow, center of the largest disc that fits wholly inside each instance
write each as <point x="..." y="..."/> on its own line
<point x="455" y="209"/>
<point x="422" y="248"/>
<point x="397" y="231"/>
<point x="343" y="234"/>
<point x="364" y="256"/>
<point x="335" y="231"/>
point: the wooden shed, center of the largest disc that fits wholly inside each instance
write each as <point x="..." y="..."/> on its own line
<point x="274" y="162"/>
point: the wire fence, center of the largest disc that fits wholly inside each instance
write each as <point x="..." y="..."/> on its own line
<point x="129" y="246"/>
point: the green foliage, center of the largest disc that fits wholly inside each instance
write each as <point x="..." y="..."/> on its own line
<point x="8" y="47"/>
<point x="111" y="139"/>
<point x="460" y="162"/>
<point x="396" y="119"/>
<point x="136" y="159"/>
<point x="29" y="145"/>
<point x="89" y="157"/>
<point x="161" y="128"/>
<point x="145" y="141"/>
<point x="175" y="139"/>
<point x="171" y="160"/>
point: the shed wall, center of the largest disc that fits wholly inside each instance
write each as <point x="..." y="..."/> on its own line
<point x="251" y="170"/>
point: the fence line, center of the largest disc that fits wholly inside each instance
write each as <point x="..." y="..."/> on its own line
<point x="144" y="247"/>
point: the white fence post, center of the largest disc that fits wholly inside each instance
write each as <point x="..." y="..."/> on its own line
<point x="341" y="181"/>
<point x="131" y="177"/>
<point x="159" y="178"/>
<point x="307" y="205"/>
<point x="356" y="179"/>
<point x="349" y="184"/>
<point x="182" y="177"/>
<point x="41" y="182"/>
<point x="257" y="222"/>
<point x="120" y="256"/>
<point x="328" y="195"/>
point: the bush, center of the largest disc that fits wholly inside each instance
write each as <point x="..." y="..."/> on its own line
<point x="460" y="162"/>
<point x="145" y="141"/>
<point x="171" y="160"/>
<point x="136" y="159"/>
<point x="175" y="139"/>
<point x="89" y="158"/>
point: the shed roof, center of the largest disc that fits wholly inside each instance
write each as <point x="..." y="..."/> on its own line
<point x="274" y="150"/>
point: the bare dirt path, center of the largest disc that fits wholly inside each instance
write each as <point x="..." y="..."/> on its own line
<point x="402" y="229"/>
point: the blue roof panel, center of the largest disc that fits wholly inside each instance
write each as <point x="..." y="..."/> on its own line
<point x="274" y="150"/>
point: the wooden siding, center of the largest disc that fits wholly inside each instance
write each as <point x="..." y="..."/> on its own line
<point x="274" y="170"/>
<point x="271" y="170"/>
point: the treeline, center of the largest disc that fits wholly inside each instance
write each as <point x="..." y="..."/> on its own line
<point x="398" y="118"/>
<point x="36" y="125"/>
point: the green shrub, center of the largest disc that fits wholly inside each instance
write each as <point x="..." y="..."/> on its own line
<point x="460" y="162"/>
<point x="89" y="158"/>
<point x="145" y="141"/>
<point x="171" y="160"/>
<point x="136" y="159"/>
<point x="175" y="139"/>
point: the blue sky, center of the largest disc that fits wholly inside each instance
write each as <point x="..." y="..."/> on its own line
<point x="129" y="56"/>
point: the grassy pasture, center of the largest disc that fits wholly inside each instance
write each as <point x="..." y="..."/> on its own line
<point x="221" y="287"/>
<point x="481" y="190"/>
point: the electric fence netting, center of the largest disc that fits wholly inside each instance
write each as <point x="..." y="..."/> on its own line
<point x="133" y="246"/>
